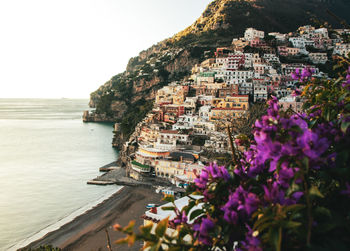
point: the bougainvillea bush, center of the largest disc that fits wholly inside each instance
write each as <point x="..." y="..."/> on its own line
<point x="289" y="191"/>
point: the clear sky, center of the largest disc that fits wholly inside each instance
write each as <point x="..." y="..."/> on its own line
<point x="68" y="48"/>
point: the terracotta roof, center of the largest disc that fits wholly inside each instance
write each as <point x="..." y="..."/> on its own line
<point x="232" y="109"/>
<point x="169" y="131"/>
<point x="242" y="96"/>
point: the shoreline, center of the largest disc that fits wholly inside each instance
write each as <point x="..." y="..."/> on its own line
<point x="62" y="222"/>
<point x="87" y="231"/>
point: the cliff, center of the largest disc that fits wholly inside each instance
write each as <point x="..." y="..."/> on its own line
<point x="128" y="96"/>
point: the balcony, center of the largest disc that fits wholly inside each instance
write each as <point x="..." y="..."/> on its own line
<point x="141" y="168"/>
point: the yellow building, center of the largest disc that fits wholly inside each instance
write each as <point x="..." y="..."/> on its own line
<point x="153" y="153"/>
<point x="168" y="168"/>
<point x="173" y="94"/>
<point x="148" y="135"/>
<point x="239" y="44"/>
<point x="208" y="63"/>
<point x="225" y="114"/>
<point x="236" y="101"/>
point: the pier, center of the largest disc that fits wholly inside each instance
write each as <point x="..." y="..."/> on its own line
<point x="101" y="182"/>
<point x="115" y="175"/>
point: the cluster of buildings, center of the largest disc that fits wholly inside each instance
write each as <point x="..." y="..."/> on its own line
<point x="220" y="90"/>
<point x="192" y="115"/>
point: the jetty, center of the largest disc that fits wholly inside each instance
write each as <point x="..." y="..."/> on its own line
<point x="101" y="182"/>
<point x="116" y="175"/>
<point x="109" y="167"/>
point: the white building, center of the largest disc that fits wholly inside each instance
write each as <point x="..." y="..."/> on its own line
<point x="204" y="111"/>
<point x="271" y="58"/>
<point x="205" y="100"/>
<point x="185" y="122"/>
<point x="218" y="142"/>
<point x="245" y="88"/>
<point x="260" y="92"/>
<point x="322" y="32"/>
<point x="238" y="77"/>
<point x="252" y="33"/>
<point x="282" y="92"/>
<point x="201" y="127"/>
<point x="300" y="42"/>
<point x="318" y="58"/>
<point x="168" y="139"/>
<point x="342" y="49"/>
<point x="279" y="36"/>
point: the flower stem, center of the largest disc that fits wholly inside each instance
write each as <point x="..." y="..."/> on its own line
<point x="279" y="239"/>
<point x="234" y="157"/>
<point x="309" y="214"/>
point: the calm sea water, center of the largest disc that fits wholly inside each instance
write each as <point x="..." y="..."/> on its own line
<point x="47" y="154"/>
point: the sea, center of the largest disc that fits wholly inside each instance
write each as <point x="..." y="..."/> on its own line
<point x="47" y="154"/>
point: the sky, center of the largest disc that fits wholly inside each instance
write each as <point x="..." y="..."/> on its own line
<point x="68" y="48"/>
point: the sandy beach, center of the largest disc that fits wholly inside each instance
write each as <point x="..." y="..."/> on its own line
<point x="87" y="231"/>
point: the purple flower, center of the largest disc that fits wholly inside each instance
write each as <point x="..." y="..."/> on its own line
<point x="297" y="195"/>
<point x="302" y="75"/>
<point x="284" y="175"/>
<point x="307" y="73"/>
<point x="213" y="171"/>
<point x="312" y="145"/>
<point x="218" y="172"/>
<point x="240" y="205"/>
<point x="347" y="190"/>
<point x="251" y="242"/>
<point x="202" y="180"/>
<point x="181" y="218"/>
<point x="273" y="107"/>
<point x="203" y="228"/>
<point x="346" y="84"/>
<point x="297" y="74"/>
<point x="296" y="92"/>
<point x="274" y="194"/>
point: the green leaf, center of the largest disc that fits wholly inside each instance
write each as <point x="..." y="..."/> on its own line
<point x="276" y="238"/>
<point x="313" y="123"/>
<point x="295" y="207"/>
<point x="169" y="198"/>
<point x="183" y="232"/>
<point x="324" y="212"/>
<point x="129" y="227"/>
<point x="263" y="226"/>
<point x="262" y="220"/>
<point x="315" y="192"/>
<point x="146" y="229"/>
<point x="337" y="66"/>
<point x="344" y="126"/>
<point x="122" y="241"/>
<point x="342" y="97"/>
<point x="305" y="162"/>
<point x="172" y="208"/>
<point x="161" y="227"/>
<point x="195" y="213"/>
<point x="292" y="224"/>
<point x="156" y="247"/>
<point x="190" y="205"/>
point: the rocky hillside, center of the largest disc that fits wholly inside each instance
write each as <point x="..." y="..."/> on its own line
<point x="128" y="96"/>
<point x="234" y="16"/>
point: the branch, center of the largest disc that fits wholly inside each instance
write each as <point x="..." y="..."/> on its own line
<point x="108" y="241"/>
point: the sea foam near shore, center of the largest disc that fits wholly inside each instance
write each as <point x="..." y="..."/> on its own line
<point x="69" y="218"/>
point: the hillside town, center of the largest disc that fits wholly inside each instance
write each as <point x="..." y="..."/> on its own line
<point x="189" y="118"/>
